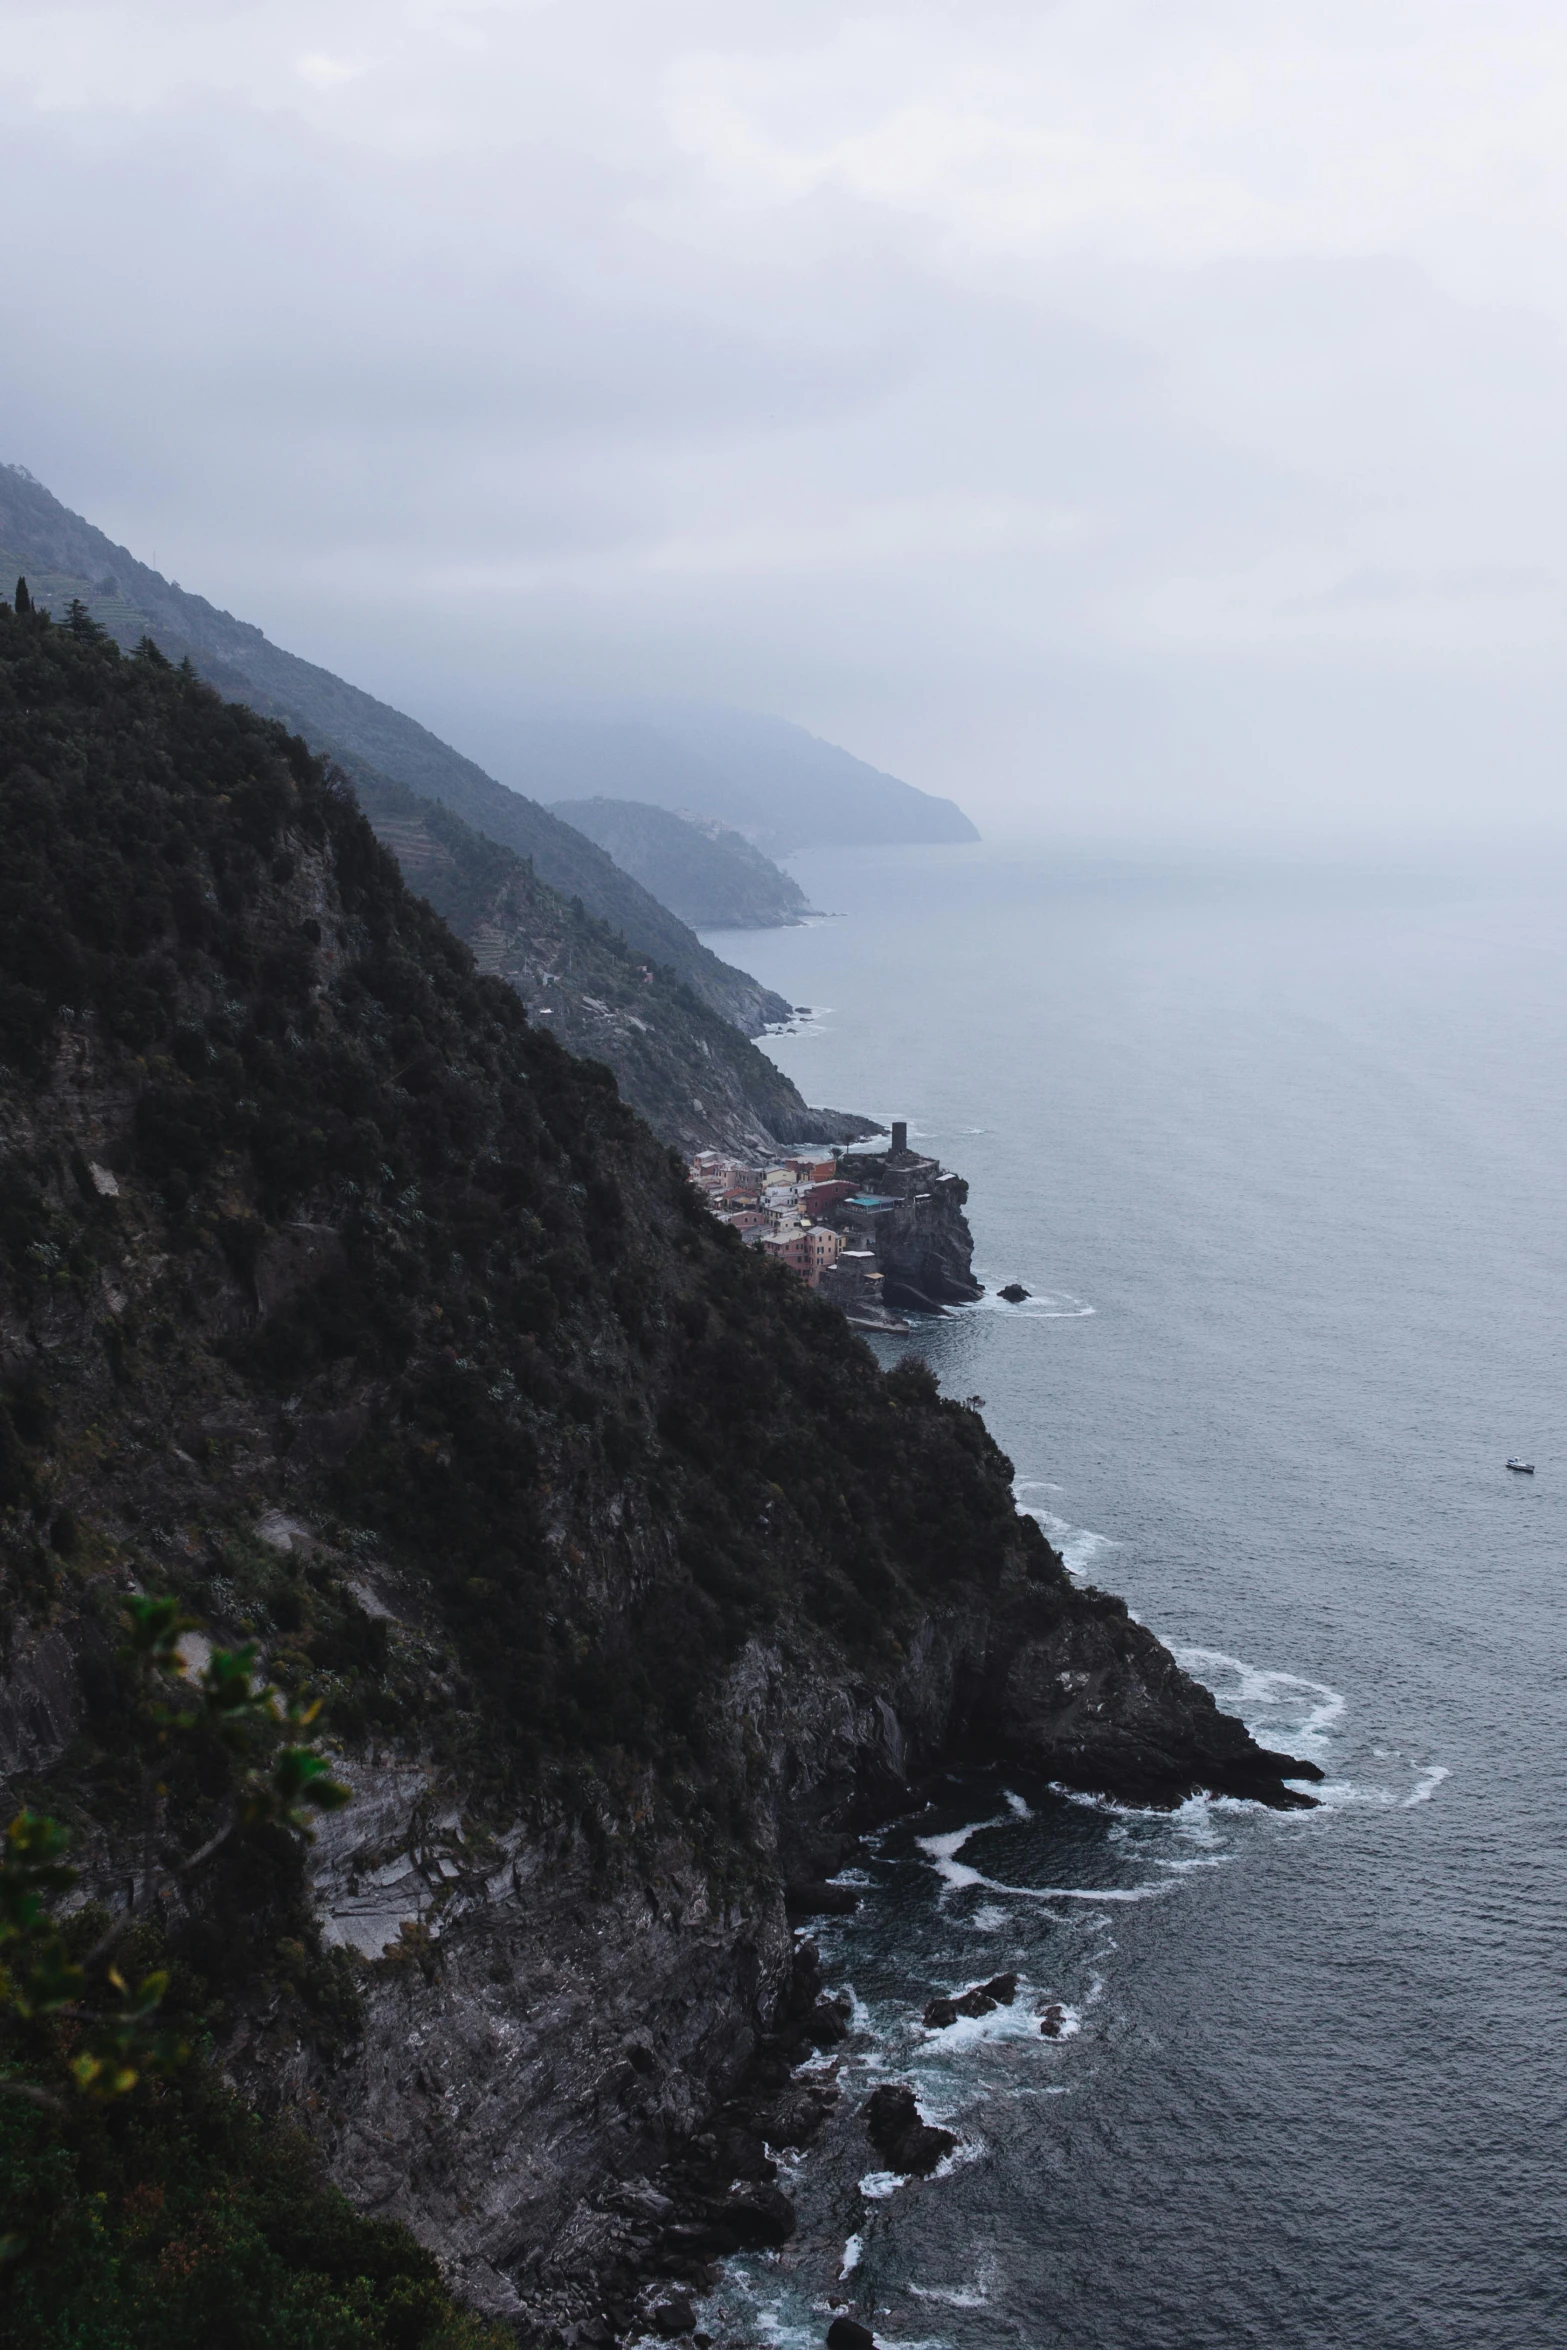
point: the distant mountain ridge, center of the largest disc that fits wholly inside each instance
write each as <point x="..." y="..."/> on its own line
<point x="706" y="871"/>
<point x="788" y="789"/>
<point x="781" y="786"/>
<point x="600" y="962"/>
<point x="65" y="556"/>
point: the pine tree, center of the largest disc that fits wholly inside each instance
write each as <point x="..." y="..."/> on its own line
<point x="80" y="621"/>
<point x="24" y="602"/>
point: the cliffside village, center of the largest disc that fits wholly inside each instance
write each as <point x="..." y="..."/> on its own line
<point x="830" y="1219"/>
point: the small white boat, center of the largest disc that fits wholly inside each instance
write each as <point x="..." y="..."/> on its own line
<point x="1524" y="1468"/>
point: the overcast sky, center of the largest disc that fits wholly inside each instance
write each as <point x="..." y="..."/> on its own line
<point x="1120" y="414"/>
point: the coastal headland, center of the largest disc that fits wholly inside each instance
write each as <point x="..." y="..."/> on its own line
<point x="345" y="1309"/>
<point x="877" y="1233"/>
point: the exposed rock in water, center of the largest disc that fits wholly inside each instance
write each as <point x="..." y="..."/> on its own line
<point x="674" y="2316"/>
<point x="1014" y="1293"/>
<point x="904" y="2140"/>
<point x="818" y="1900"/>
<point x="846" y="2333"/>
<point x="984" y="1999"/>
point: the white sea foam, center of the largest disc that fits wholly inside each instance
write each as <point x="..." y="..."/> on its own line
<point x="942" y="1853"/>
<point x="955" y="2296"/>
<point x="956" y="1875"/>
<point x="1427" y="1784"/>
<point x="1271" y="1704"/>
<point x="962" y="2156"/>
<point x="1350" y="1794"/>
<point x="1041" y="1305"/>
<point x="1020" y="1810"/>
<point x="1079" y="1546"/>
<point x="853" y="2253"/>
<point x="878" y="2185"/>
<point x="1017" y="2022"/>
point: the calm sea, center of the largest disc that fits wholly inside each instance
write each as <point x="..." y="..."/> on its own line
<point x="1282" y="1157"/>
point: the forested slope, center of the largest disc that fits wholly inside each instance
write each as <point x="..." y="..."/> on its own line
<point x="342" y="1306"/>
<point x="68" y="557"/>
<point x="697" y="1080"/>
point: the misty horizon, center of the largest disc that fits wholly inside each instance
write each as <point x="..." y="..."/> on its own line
<point x="1133" y="425"/>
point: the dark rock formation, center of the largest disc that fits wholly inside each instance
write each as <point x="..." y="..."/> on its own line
<point x="984" y="1999"/>
<point x="903" y="2139"/>
<point x="816" y="1899"/>
<point x="674" y="2317"/>
<point x="846" y="2333"/>
<point x="1014" y="1293"/>
<point x="924" y="1249"/>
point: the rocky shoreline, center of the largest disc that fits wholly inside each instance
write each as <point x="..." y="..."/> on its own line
<point x="600" y="2087"/>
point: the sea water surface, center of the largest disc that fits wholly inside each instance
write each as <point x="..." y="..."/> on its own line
<point x="1282" y="1156"/>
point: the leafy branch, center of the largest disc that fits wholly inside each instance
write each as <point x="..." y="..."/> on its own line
<point x="106" y="2031"/>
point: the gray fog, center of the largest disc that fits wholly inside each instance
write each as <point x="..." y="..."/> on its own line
<point x="1133" y="418"/>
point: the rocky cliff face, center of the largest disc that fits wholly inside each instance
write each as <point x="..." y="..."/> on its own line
<point x="697" y="1080"/>
<point x="923" y="1246"/>
<point x="342" y="1304"/>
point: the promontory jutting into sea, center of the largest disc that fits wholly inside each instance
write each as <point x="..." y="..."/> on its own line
<point x="472" y="1590"/>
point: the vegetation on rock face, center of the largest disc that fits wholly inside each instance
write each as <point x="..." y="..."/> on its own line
<point x="176" y="2220"/>
<point x="366" y="1165"/>
<point x="141" y="2202"/>
<point x="299" y="1214"/>
<point x="698" y="1082"/>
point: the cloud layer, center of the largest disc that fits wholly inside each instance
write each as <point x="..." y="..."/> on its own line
<point x="1117" y="413"/>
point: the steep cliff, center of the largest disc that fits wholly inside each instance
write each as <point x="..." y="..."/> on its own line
<point x="917" y="1229"/>
<point x="343" y="1304"/>
<point x="697" y="1080"/>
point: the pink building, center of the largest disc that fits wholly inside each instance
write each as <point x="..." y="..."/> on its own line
<point x="790" y="1248"/>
